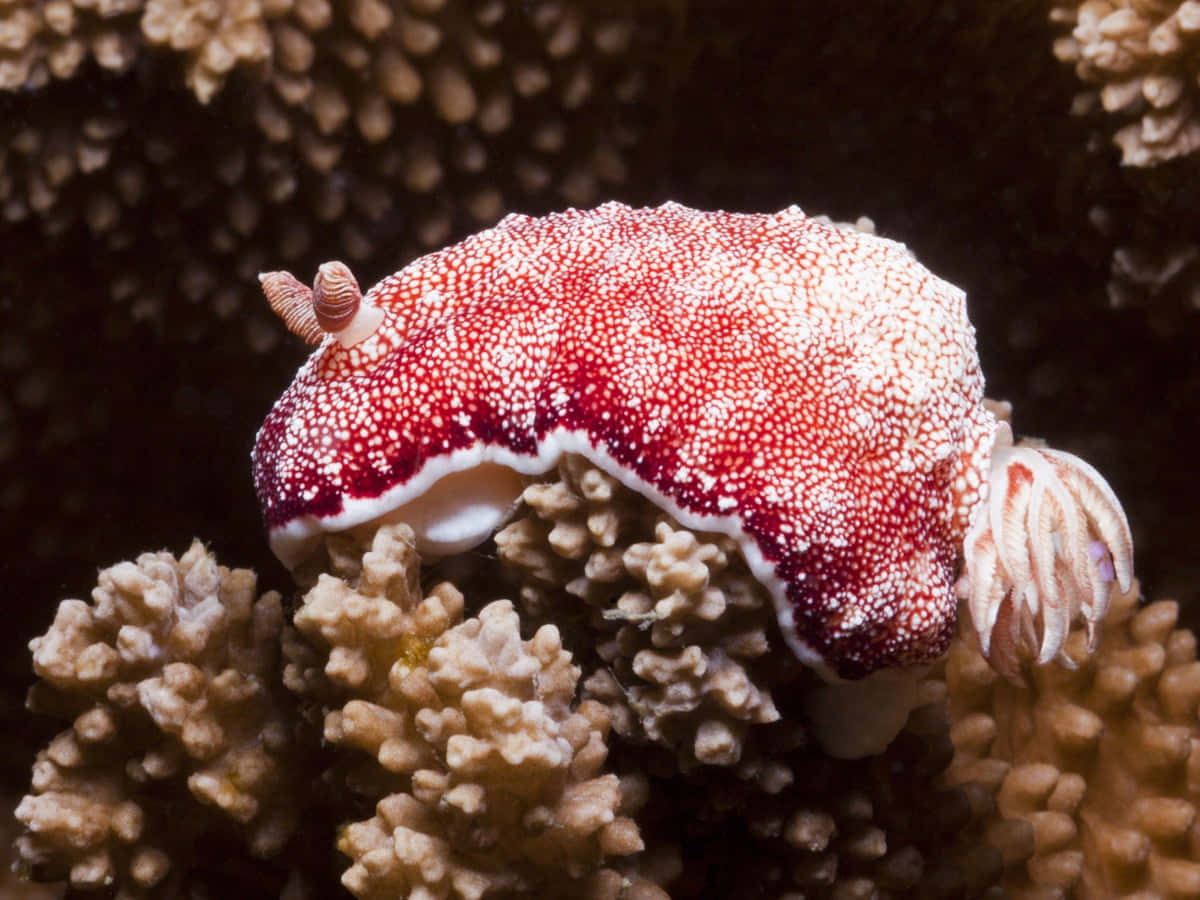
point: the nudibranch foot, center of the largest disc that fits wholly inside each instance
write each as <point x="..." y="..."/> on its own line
<point x="1042" y="554"/>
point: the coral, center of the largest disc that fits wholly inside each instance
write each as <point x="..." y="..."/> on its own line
<point x="13" y="876"/>
<point x="1142" y="55"/>
<point x="53" y="38"/>
<point x="398" y="114"/>
<point x="499" y="782"/>
<point x="376" y="69"/>
<point x="677" y="620"/>
<point x="809" y="825"/>
<point x="171" y="677"/>
<point x="645" y="737"/>
<point x="1093" y="768"/>
<point x="216" y="37"/>
<point x="1165" y="272"/>
<point x="689" y="660"/>
<point x="1155" y="263"/>
<point x="1140" y="60"/>
<point x="166" y="209"/>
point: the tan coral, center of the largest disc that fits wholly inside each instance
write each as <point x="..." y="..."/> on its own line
<point x="323" y="72"/>
<point x="683" y="639"/>
<point x="214" y="36"/>
<point x="1142" y="56"/>
<point x="681" y="620"/>
<point x="499" y="780"/>
<point x="39" y="163"/>
<point x="51" y="39"/>
<point x="1094" y="769"/>
<point x="1141" y="62"/>
<point x="426" y="96"/>
<point x="170" y="673"/>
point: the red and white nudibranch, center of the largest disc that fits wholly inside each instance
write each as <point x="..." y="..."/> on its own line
<point x="811" y="391"/>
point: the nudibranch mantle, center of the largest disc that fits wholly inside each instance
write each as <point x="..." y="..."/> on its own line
<point x="810" y="390"/>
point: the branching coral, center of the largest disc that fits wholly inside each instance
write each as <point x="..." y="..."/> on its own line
<point x="499" y="777"/>
<point x="683" y="636"/>
<point x="334" y="145"/>
<point x="682" y="620"/>
<point x="343" y="137"/>
<point x="442" y="83"/>
<point x="52" y="39"/>
<point x="814" y="824"/>
<point x="438" y="89"/>
<point x="883" y="826"/>
<point x="1142" y="55"/>
<point x="1141" y="62"/>
<point x="1093" y="769"/>
<point x="170" y="676"/>
<point x="490" y="768"/>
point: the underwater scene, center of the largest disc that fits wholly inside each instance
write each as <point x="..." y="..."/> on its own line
<point x="599" y="449"/>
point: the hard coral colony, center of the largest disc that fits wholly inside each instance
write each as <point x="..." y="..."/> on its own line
<point x="808" y="390"/>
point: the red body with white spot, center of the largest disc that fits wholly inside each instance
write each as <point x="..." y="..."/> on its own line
<point x="810" y="390"/>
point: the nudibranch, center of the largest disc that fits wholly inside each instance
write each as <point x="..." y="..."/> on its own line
<point x="810" y="390"/>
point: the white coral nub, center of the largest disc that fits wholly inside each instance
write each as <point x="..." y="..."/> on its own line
<point x="1041" y="553"/>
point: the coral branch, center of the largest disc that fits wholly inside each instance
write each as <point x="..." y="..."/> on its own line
<point x="171" y="676"/>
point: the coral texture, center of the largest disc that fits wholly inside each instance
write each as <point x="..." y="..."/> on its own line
<point x="645" y="739"/>
<point x="332" y="146"/>
<point x="687" y="658"/>
<point x="1093" y="769"/>
<point x="1141" y="61"/>
<point x="42" y="40"/>
<point x="1142" y="55"/>
<point x="678" y="623"/>
<point x="499" y="776"/>
<point x="808" y="825"/>
<point x="170" y="674"/>
<point x="397" y="112"/>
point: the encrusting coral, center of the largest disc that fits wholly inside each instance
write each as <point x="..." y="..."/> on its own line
<point x="499" y="775"/>
<point x="171" y="676"/>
